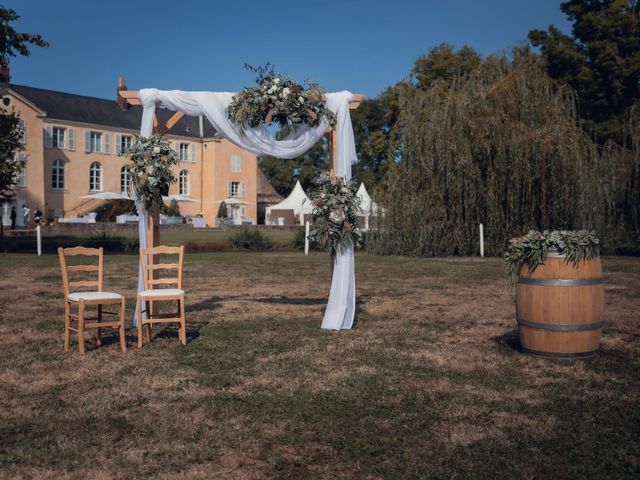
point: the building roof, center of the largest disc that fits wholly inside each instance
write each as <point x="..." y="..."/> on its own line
<point x="266" y="192"/>
<point x="99" y="111"/>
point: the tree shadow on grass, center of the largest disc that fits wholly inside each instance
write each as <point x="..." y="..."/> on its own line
<point x="282" y="299"/>
<point x="208" y="304"/>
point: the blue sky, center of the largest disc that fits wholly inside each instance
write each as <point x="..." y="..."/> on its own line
<point x="357" y="45"/>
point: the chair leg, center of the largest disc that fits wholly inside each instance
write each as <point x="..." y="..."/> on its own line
<point x="183" y="325"/>
<point x="81" y="327"/>
<point x="67" y="321"/>
<point x="149" y="306"/>
<point x="123" y="340"/>
<point x="99" y="337"/>
<point x="139" y="315"/>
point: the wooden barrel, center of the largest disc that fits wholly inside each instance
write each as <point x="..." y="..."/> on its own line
<point x="559" y="308"/>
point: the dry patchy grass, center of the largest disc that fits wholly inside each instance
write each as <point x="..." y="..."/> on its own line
<point x="429" y="384"/>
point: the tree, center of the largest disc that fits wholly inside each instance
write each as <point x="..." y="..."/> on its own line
<point x="282" y="173"/>
<point x="601" y="61"/>
<point x="443" y="63"/>
<point x="13" y="43"/>
<point x="503" y="148"/>
<point x="374" y="121"/>
<point x="10" y="166"/>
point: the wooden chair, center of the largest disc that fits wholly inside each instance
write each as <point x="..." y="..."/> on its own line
<point x="88" y="298"/>
<point x="151" y="294"/>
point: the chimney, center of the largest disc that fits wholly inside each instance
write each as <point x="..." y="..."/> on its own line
<point x="122" y="85"/>
<point x="4" y="72"/>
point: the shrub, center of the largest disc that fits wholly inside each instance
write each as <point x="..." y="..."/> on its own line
<point x="222" y="210"/>
<point x="174" y="209"/>
<point x="251" y="239"/>
<point x="110" y="209"/>
<point x="298" y="240"/>
<point x="113" y="243"/>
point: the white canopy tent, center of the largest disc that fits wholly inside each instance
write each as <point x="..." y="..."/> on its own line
<point x="297" y="201"/>
<point x="340" y="310"/>
<point x="367" y="206"/>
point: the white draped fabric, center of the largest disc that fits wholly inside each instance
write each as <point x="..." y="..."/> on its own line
<point x="340" y="310"/>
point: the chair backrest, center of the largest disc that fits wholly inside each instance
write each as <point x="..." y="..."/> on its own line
<point x="151" y="265"/>
<point x="67" y="284"/>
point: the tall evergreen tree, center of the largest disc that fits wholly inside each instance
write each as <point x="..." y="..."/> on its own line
<point x="601" y="61"/>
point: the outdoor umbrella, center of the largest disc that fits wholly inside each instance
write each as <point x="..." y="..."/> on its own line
<point x="179" y="198"/>
<point x="107" y="196"/>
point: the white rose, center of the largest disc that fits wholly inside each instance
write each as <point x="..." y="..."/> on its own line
<point x="156" y="149"/>
<point x="336" y="216"/>
<point x="272" y="89"/>
<point x="286" y="91"/>
<point x="276" y="80"/>
<point x="301" y="99"/>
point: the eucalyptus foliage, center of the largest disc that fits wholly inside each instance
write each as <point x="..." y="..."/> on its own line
<point x="335" y="214"/>
<point x="501" y="146"/>
<point x="150" y="171"/>
<point x="279" y="99"/>
<point x="533" y="248"/>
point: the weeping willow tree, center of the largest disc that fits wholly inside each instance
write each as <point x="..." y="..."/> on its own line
<point x="501" y="147"/>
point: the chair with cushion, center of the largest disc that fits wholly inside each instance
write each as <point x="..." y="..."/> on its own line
<point x="84" y="299"/>
<point x="150" y="269"/>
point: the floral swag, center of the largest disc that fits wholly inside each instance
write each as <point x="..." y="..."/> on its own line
<point x="280" y="100"/>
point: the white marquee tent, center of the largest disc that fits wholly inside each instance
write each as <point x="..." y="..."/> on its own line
<point x="296" y="201"/>
<point x="368" y="208"/>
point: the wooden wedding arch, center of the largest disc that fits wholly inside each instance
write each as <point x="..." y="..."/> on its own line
<point x="132" y="97"/>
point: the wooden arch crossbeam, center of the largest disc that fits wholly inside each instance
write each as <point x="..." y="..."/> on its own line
<point x="132" y="97"/>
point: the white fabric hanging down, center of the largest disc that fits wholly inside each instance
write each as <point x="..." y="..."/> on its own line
<point x="340" y="310"/>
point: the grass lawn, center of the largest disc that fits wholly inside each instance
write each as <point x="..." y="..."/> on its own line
<point x="429" y="384"/>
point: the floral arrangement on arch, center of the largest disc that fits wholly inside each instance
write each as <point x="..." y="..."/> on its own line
<point x="279" y="99"/>
<point x="150" y="170"/>
<point x="335" y="213"/>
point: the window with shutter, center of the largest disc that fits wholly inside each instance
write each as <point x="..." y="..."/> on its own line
<point x="48" y="137"/>
<point x="22" y="123"/>
<point x="71" y="139"/>
<point x="183" y="152"/>
<point x="236" y="164"/>
<point x="106" y="143"/>
<point x="118" y="145"/>
<point x="87" y="141"/>
<point x="95" y="142"/>
<point x="21" y="179"/>
<point x="58" y="137"/>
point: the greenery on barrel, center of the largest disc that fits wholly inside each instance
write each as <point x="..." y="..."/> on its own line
<point x="533" y="248"/>
<point x="335" y="215"/>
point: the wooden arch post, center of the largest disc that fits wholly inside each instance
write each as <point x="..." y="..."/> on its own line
<point x="132" y="97"/>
